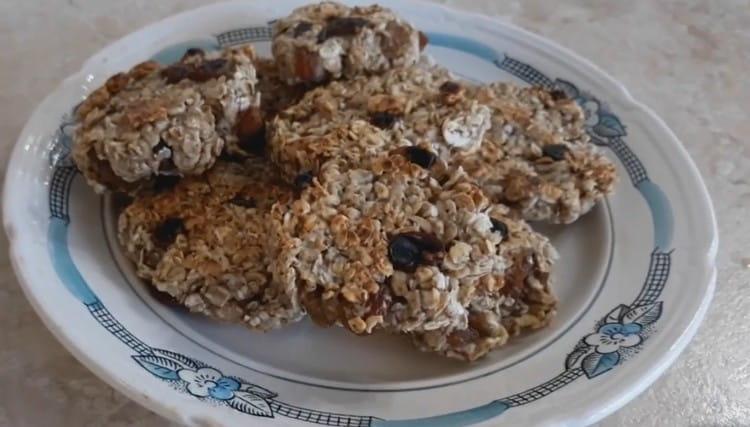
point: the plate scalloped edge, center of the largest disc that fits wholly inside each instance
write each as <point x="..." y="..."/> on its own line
<point x="590" y="358"/>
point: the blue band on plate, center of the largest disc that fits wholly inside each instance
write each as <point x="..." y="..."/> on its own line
<point x="63" y="263"/>
<point x="661" y="213"/>
<point x="460" y="418"/>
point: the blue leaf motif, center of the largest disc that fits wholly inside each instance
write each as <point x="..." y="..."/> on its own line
<point x="250" y="404"/>
<point x="596" y="364"/>
<point x="615" y="316"/>
<point x="256" y="390"/>
<point x="609" y="126"/>
<point x="159" y="366"/>
<point x="575" y="356"/>
<point x="182" y="360"/>
<point x="598" y="141"/>
<point x="644" y="314"/>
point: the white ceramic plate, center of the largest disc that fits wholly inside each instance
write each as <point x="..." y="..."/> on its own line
<point x="634" y="281"/>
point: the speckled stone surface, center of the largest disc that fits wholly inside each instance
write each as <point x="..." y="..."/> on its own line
<point x="688" y="60"/>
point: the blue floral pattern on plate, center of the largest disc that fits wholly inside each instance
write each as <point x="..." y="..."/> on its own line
<point x="205" y="382"/>
<point x="623" y="328"/>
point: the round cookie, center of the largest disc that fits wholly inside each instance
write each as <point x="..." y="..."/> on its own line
<point x="205" y="242"/>
<point x="330" y="40"/>
<point x="537" y="157"/>
<point x="502" y="307"/>
<point x="155" y="120"/>
<point x="526" y="147"/>
<point x="392" y="247"/>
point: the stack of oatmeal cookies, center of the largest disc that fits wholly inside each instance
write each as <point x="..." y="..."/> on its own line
<point x="348" y="179"/>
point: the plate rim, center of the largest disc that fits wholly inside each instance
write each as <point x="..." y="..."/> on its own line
<point x="625" y="100"/>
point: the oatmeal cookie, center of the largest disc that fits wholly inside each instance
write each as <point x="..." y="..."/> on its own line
<point x="330" y="40"/>
<point x="502" y="306"/>
<point x="204" y="243"/>
<point x="526" y="147"/>
<point x="537" y="158"/>
<point x="155" y="120"/>
<point x="391" y="247"/>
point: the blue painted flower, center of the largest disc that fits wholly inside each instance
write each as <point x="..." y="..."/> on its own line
<point x="209" y="382"/>
<point x="591" y="110"/>
<point x="612" y="336"/>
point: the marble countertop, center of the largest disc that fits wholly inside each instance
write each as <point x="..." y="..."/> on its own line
<point x="685" y="59"/>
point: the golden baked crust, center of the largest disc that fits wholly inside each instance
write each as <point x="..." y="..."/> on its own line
<point x="392" y="247"/>
<point x="156" y="120"/>
<point x="205" y="243"/>
<point x="526" y="147"/>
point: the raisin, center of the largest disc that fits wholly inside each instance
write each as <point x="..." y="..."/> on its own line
<point x="166" y="233"/>
<point x="451" y="92"/>
<point x="420" y="156"/>
<point x="251" y="131"/>
<point x="558" y="95"/>
<point x="302" y="28"/>
<point x="117" y="83"/>
<point x="423" y="40"/>
<point x="303" y="180"/>
<point x="383" y="120"/>
<point x="450" y="88"/>
<point x="249" y="122"/>
<point x="214" y="65"/>
<point x="209" y="70"/>
<point x="322" y="313"/>
<point x="193" y="51"/>
<point x="244" y="202"/>
<point x="175" y="73"/>
<point x="342" y="27"/>
<point x="426" y="241"/>
<point x="409" y="250"/>
<point x="462" y="337"/>
<point x="555" y="151"/>
<point x="306" y="66"/>
<point x="515" y="278"/>
<point x="164" y="183"/>
<point x="499" y="227"/>
<point x="378" y="304"/>
<point x="404" y="253"/>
